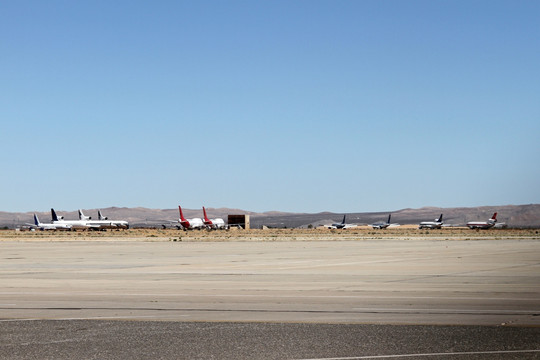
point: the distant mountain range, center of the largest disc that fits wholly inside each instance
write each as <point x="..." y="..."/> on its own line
<point x="512" y="215"/>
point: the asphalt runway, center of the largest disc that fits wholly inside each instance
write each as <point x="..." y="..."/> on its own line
<point x="84" y="339"/>
<point x="270" y="299"/>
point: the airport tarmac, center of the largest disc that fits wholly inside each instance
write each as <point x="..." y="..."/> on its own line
<point x="424" y="282"/>
<point x="91" y="339"/>
<point x="374" y="281"/>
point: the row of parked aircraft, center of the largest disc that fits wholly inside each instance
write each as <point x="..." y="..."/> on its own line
<point x="377" y="225"/>
<point x="84" y="222"/>
<point x="436" y="224"/>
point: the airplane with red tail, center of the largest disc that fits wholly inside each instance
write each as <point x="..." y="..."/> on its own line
<point x="483" y="224"/>
<point x="217" y="223"/>
<point x="190" y="224"/>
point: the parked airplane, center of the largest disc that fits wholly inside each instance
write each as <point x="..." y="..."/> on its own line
<point x="341" y="225"/>
<point x="103" y="222"/>
<point x="217" y="223"/>
<point x="190" y="224"/>
<point x="59" y="220"/>
<point x="118" y="223"/>
<point x="483" y="224"/>
<point x="437" y="224"/>
<point x="41" y="226"/>
<point x="382" y="224"/>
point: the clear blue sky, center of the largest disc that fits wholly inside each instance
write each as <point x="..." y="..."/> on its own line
<point x="301" y="106"/>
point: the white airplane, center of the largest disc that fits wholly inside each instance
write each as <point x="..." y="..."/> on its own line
<point x="382" y="224"/>
<point x="217" y="223"/>
<point x="118" y="223"/>
<point x="103" y="222"/>
<point x="483" y="224"/>
<point x="41" y="226"/>
<point x="190" y="224"/>
<point x="436" y="224"/>
<point x="341" y="225"/>
<point x="75" y="224"/>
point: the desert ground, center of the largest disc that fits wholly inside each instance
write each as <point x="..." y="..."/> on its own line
<point x="260" y="294"/>
<point x="449" y="276"/>
<point x="404" y="232"/>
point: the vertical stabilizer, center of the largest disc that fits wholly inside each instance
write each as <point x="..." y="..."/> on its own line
<point x="82" y="216"/>
<point x="389" y="216"/>
<point x="53" y="215"/>
<point x="100" y="216"/>
<point x="494" y="217"/>
<point x="182" y="218"/>
<point x="36" y="220"/>
<point x="439" y="219"/>
<point x="205" y="216"/>
<point x="343" y="222"/>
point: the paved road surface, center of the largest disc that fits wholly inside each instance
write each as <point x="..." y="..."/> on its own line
<point x="83" y="339"/>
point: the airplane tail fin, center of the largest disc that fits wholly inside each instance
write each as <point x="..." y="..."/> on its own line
<point x="204" y="213"/>
<point x="389" y="217"/>
<point x="343" y="222"/>
<point x="53" y="215"/>
<point x="181" y="214"/>
<point x="100" y="216"/>
<point x="36" y="220"/>
<point x="439" y="219"/>
<point x="83" y="217"/>
<point x="494" y="217"/>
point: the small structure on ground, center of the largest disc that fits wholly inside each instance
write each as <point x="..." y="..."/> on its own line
<point x="239" y="221"/>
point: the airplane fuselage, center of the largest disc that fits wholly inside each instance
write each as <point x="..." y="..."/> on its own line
<point x="217" y="223"/>
<point x="382" y="224"/>
<point x="75" y="224"/>
<point x="52" y="227"/>
<point x="436" y="224"/>
<point x="480" y="225"/>
<point x="191" y="224"/>
<point x="341" y="225"/>
<point x="483" y="224"/>
<point x="108" y="224"/>
<point x="430" y="225"/>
